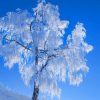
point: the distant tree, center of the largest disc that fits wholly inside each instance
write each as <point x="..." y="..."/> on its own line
<point x="37" y="43"/>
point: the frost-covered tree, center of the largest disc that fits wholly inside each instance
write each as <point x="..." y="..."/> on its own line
<point x="35" y="41"/>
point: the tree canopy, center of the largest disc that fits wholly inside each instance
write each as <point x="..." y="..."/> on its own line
<point x="26" y="37"/>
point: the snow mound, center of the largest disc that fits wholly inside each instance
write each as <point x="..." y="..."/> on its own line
<point x="6" y="94"/>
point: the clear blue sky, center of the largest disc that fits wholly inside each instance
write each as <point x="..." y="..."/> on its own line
<point x="85" y="11"/>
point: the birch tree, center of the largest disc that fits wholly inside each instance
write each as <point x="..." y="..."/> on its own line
<point x="35" y="41"/>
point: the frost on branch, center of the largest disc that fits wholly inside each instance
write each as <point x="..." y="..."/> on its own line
<point x="35" y="43"/>
<point x="75" y="54"/>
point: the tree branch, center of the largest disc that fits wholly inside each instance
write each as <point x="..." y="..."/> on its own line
<point x="19" y="44"/>
<point x="49" y="57"/>
<point x="46" y="63"/>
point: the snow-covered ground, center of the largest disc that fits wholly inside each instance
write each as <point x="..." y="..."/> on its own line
<point x="6" y="94"/>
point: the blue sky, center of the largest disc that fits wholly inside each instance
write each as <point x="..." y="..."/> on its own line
<point x="85" y="11"/>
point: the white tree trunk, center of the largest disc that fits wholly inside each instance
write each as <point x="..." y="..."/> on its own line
<point x="35" y="92"/>
<point x="36" y="85"/>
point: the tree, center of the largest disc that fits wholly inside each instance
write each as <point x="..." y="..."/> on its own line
<point x="36" y="42"/>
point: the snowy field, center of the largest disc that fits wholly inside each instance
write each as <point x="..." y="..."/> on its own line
<point x="6" y="94"/>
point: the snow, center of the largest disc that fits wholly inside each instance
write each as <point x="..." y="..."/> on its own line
<point x="35" y="41"/>
<point x="6" y="94"/>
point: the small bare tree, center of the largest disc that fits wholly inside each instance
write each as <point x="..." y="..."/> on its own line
<point x="37" y="44"/>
